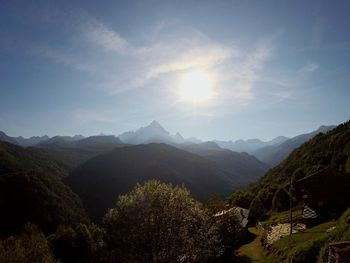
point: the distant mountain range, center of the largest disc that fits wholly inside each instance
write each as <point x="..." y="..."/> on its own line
<point x="269" y="152"/>
<point x="100" y="168"/>
<point x="274" y="154"/>
<point x="153" y="133"/>
<point x="246" y="168"/>
<point x="36" y="140"/>
<point x="251" y="145"/>
<point x="72" y="153"/>
<point x="23" y="141"/>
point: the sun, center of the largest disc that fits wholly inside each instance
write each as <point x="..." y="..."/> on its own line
<point x="196" y="87"/>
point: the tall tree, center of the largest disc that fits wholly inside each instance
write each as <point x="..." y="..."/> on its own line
<point x="158" y="223"/>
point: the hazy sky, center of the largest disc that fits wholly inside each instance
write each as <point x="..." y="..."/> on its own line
<point x="86" y="67"/>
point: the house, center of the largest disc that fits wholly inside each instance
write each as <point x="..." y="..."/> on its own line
<point x="240" y="213"/>
<point x="325" y="194"/>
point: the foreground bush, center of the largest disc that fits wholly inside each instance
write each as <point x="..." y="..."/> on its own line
<point x="159" y="223"/>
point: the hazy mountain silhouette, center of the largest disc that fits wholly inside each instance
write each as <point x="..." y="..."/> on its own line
<point x="70" y="154"/>
<point x="243" y="168"/>
<point x="21" y="141"/>
<point x="274" y="154"/>
<point x="250" y="145"/>
<point x="5" y="138"/>
<point x="59" y="139"/>
<point x="153" y="133"/>
<point x="102" y="179"/>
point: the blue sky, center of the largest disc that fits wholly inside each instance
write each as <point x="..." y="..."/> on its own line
<point x="71" y="67"/>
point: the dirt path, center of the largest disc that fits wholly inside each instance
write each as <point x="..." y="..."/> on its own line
<point x="253" y="250"/>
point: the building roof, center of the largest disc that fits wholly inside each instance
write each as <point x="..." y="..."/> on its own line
<point x="241" y="213"/>
<point x="308" y="213"/>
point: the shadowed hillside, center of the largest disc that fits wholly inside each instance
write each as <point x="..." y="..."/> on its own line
<point x="325" y="152"/>
<point x="244" y="168"/>
<point x="31" y="190"/>
<point x="99" y="181"/>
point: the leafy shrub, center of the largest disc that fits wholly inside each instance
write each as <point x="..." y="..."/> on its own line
<point x="83" y="243"/>
<point x="156" y="222"/>
<point x="30" y="246"/>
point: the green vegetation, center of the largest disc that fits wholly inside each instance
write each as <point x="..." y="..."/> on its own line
<point x="159" y="223"/>
<point x="254" y="250"/>
<point x="30" y="246"/>
<point x="305" y="246"/>
<point x="277" y="217"/>
<point x="312" y="243"/>
<point x="31" y="190"/>
<point x="81" y="243"/>
<point x="44" y="221"/>
<point x="330" y="150"/>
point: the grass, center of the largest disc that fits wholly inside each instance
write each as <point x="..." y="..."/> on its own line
<point x="281" y="216"/>
<point x="253" y="250"/>
<point x="305" y="246"/>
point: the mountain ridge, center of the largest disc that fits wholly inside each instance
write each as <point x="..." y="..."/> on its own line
<point x="274" y="154"/>
<point x="119" y="170"/>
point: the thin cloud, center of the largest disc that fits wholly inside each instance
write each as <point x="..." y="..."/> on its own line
<point x="120" y="66"/>
<point x="310" y="67"/>
<point x="100" y="35"/>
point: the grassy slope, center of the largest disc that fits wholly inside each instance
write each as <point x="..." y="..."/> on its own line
<point x="254" y="250"/>
<point x="305" y="246"/>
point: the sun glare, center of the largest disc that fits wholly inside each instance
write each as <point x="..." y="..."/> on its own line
<point x="196" y="87"/>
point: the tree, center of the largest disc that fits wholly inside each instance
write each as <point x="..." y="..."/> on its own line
<point x="229" y="230"/>
<point x="158" y="223"/>
<point x="82" y="243"/>
<point x="30" y="246"/>
<point x="241" y="199"/>
<point x="256" y="210"/>
<point x="280" y="201"/>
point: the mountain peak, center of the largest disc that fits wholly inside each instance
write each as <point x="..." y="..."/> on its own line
<point x="325" y="128"/>
<point x="155" y="124"/>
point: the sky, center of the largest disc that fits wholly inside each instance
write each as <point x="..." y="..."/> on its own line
<point x="91" y="67"/>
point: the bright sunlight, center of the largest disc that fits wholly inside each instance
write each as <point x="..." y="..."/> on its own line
<point x="196" y="87"/>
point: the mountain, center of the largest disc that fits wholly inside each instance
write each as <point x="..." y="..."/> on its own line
<point x="22" y="141"/>
<point x="153" y="133"/>
<point x="5" y="138"/>
<point x="59" y="139"/>
<point x="37" y="140"/>
<point x="102" y="179"/>
<point x="249" y="145"/>
<point x="274" y="154"/>
<point x="178" y="138"/>
<point x="193" y="140"/>
<point x="242" y="167"/>
<point x="32" y="141"/>
<point x="71" y="154"/>
<point x="31" y="190"/>
<point x="319" y="168"/>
